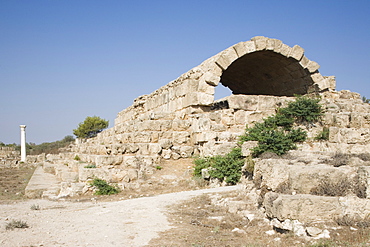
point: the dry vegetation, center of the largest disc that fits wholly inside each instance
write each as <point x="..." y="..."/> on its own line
<point x="13" y="182"/>
<point x="199" y="223"/>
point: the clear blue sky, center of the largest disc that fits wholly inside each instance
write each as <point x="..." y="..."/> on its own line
<point x="61" y="61"/>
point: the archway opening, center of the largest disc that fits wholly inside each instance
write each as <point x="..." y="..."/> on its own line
<point x="266" y="73"/>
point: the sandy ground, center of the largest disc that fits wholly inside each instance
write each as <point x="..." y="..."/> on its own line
<point x="131" y="222"/>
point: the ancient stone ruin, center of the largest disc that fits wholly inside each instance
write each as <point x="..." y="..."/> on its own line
<point x="9" y="157"/>
<point x="181" y="120"/>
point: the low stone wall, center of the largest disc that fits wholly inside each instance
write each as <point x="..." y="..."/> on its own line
<point x="192" y="131"/>
<point x="9" y="157"/>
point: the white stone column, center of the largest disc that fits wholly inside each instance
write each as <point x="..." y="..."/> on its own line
<point x="23" y="143"/>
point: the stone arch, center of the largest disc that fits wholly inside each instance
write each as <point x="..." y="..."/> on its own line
<point x="264" y="66"/>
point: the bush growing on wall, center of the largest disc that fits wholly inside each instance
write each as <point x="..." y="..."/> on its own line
<point x="226" y="168"/>
<point x="276" y="133"/>
<point x="103" y="187"/>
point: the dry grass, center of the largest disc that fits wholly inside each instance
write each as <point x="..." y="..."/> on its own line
<point x="13" y="183"/>
<point x="328" y="187"/>
<point x="353" y="221"/>
<point x="340" y="187"/>
<point x="341" y="159"/>
<point x="198" y="222"/>
<point x="16" y="224"/>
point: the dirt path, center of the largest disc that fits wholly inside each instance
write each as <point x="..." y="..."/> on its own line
<point x="131" y="222"/>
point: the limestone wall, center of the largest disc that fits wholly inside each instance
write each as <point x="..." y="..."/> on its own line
<point x="291" y="73"/>
<point x="192" y="131"/>
<point x="9" y="157"/>
<point x="181" y="118"/>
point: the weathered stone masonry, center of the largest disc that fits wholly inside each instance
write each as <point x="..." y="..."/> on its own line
<point x="181" y="119"/>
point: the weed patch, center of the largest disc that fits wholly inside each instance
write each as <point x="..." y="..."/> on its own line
<point x="341" y="187"/>
<point x="16" y="224"/>
<point x="348" y="220"/>
<point x="103" y="187"/>
<point x="35" y="207"/>
<point x="226" y="168"/>
<point x="276" y="134"/>
<point x="90" y="166"/>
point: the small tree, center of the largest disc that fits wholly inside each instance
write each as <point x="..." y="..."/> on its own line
<point x="90" y="127"/>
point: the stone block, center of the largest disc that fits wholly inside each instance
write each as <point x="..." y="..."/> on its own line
<point x="215" y="116"/>
<point x="270" y="44"/>
<point x="201" y="125"/>
<point x="202" y="137"/>
<point x="181" y="137"/>
<point x="143" y="148"/>
<point x="302" y="207"/>
<point x="243" y="102"/>
<point x="206" y="88"/>
<point x="211" y="78"/>
<point x="260" y="42"/>
<point x="218" y="127"/>
<point x="106" y="160"/>
<point x="86" y="174"/>
<point x="243" y="48"/>
<point x="227" y="120"/>
<point x="331" y="81"/>
<point x="181" y="125"/>
<point x="296" y="52"/>
<point x="224" y="148"/>
<point x="226" y="58"/>
<point x="165" y="124"/>
<point x="284" y="50"/>
<point x="154" y="148"/>
<point x="166" y="154"/>
<point x="186" y="151"/>
<point x="165" y="143"/>
<point x="131" y="162"/>
<point x="141" y="137"/>
<point x="197" y="98"/>
<point x="304" y="61"/>
<point x="240" y="117"/>
<point x="191" y="85"/>
<point x="132" y="175"/>
<point x="240" y="49"/>
<point x="312" y="66"/>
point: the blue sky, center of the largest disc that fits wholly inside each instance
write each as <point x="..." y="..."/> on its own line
<point x="61" y="61"/>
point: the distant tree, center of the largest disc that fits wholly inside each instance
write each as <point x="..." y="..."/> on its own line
<point x="49" y="147"/>
<point x="68" y="138"/>
<point x="365" y="100"/>
<point x="90" y="127"/>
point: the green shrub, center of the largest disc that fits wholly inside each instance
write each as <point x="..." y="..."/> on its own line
<point x="275" y="141"/>
<point x="90" y="166"/>
<point x="200" y="164"/>
<point x="226" y="168"/>
<point x="103" y="187"/>
<point x="303" y="110"/>
<point x="159" y="167"/>
<point x="365" y="100"/>
<point x="276" y="133"/>
<point x="77" y="158"/>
